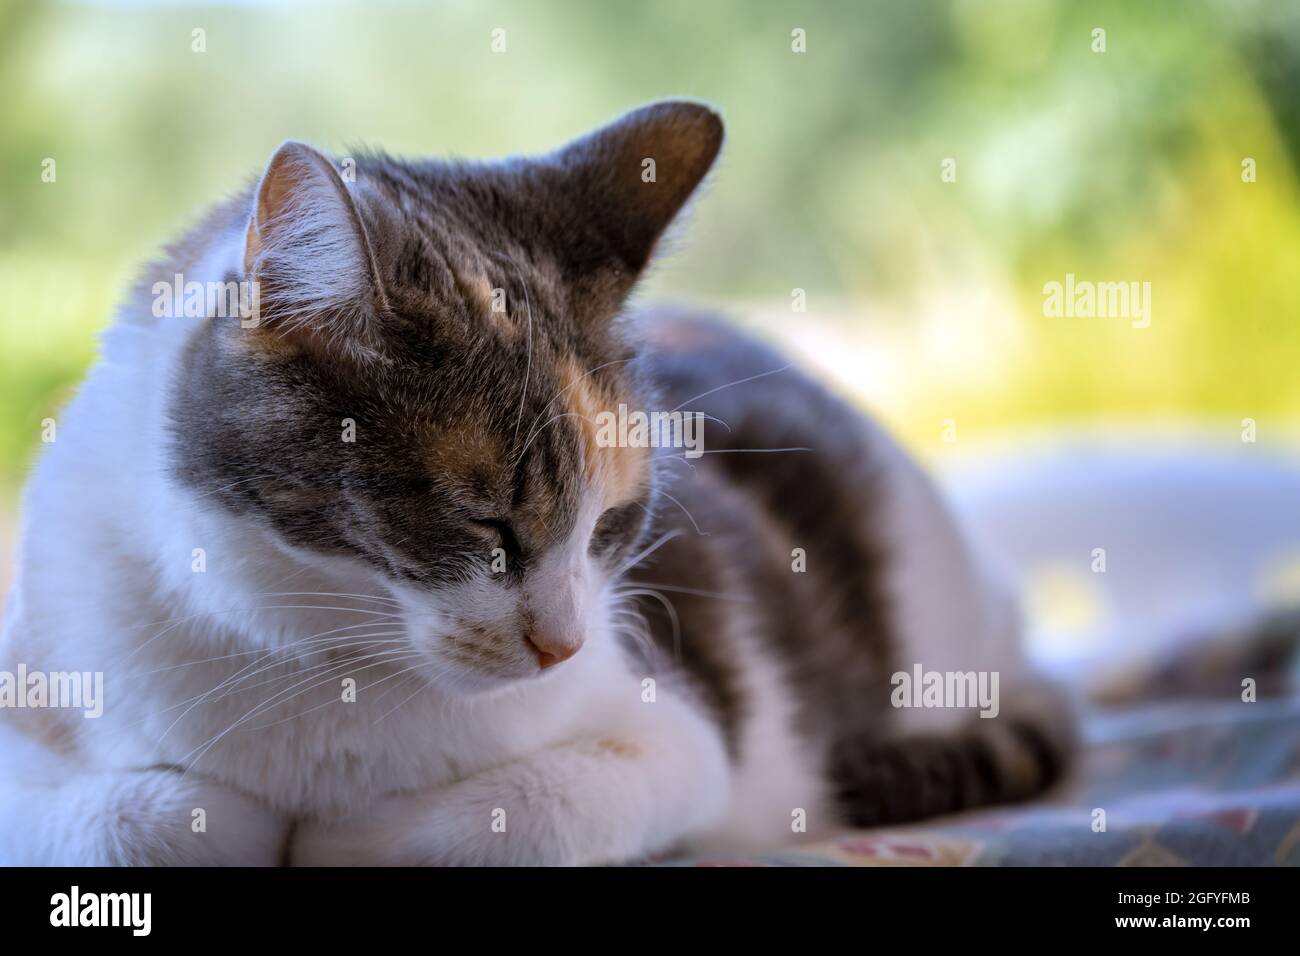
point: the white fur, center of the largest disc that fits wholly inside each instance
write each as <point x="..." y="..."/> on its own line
<point x="953" y="608"/>
<point x="777" y="775"/>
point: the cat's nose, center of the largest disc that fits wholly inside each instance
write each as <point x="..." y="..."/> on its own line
<point x="551" y="648"/>
<point x="552" y="611"/>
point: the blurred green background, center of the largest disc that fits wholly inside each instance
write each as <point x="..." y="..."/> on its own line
<point x="924" y="298"/>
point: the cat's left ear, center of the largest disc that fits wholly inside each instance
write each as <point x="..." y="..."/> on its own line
<point x="307" y="249"/>
<point x="620" y="187"/>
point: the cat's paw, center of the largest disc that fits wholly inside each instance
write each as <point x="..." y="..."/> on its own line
<point x="606" y="800"/>
<point x="446" y="829"/>
<point x="162" y="818"/>
<point x="516" y="816"/>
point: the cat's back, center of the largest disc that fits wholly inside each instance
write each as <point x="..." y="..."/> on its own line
<point x="860" y="564"/>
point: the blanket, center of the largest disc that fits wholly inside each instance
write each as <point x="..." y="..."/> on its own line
<point x="1191" y="782"/>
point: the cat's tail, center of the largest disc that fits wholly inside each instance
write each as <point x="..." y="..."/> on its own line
<point x="1015" y="756"/>
<point x="1258" y="657"/>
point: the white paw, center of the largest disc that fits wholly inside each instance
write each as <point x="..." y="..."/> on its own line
<point x="474" y="823"/>
<point x="160" y="818"/>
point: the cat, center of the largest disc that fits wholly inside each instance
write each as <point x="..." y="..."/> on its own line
<point x="365" y="586"/>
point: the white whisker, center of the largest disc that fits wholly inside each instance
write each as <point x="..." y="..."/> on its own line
<point x="655" y="546"/>
<point x="739" y="381"/>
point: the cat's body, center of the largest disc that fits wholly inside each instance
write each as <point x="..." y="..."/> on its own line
<point x="681" y="651"/>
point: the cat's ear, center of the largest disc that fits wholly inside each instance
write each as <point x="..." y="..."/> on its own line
<point x="626" y="182"/>
<point x="307" y="249"/>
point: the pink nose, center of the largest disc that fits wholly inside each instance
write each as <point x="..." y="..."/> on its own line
<point x="551" y="651"/>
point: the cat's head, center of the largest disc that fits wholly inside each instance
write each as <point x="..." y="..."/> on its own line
<point x="433" y="343"/>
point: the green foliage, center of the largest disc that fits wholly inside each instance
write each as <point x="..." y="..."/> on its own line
<point x="1123" y="165"/>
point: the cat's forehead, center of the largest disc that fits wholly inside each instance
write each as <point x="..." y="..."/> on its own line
<point x="467" y="232"/>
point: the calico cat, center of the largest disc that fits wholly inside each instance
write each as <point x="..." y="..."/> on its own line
<point x="366" y="585"/>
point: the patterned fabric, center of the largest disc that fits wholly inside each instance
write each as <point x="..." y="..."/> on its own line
<point x="1192" y="783"/>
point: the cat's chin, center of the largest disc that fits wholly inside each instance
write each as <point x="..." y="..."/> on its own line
<point x="458" y="681"/>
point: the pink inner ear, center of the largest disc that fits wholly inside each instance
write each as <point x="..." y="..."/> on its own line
<point x="307" y="248"/>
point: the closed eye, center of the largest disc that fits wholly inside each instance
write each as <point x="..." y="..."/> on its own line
<point x="504" y="533"/>
<point x="619" y="526"/>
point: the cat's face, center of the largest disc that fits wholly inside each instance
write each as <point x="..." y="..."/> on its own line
<point x="420" y="394"/>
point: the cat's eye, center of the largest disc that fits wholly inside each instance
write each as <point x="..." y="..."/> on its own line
<point x="505" y="534"/>
<point x="616" y="526"/>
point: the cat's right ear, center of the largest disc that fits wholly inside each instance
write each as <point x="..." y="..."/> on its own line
<point x="307" y="250"/>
